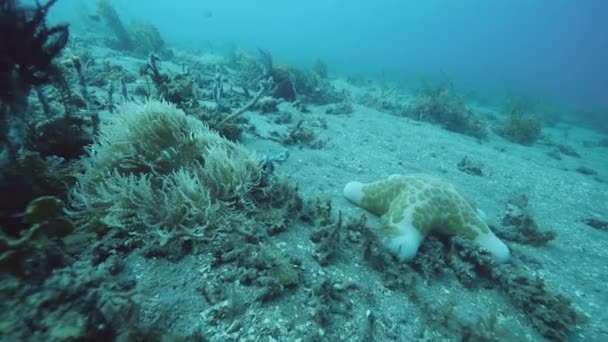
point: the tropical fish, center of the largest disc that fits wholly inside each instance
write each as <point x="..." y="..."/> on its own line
<point x="185" y="139"/>
<point x="189" y="138"/>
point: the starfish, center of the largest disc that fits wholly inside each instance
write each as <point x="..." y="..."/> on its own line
<point x="413" y="206"/>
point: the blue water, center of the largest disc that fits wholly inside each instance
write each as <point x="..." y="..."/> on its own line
<point x="555" y="51"/>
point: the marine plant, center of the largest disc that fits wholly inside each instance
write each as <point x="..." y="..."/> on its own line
<point x="147" y="39"/>
<point x="112" y="19"/>
<point x="28" y="48"/>
<point x="519" y="127"/>
<point x="320" y="68"/>
<point x="441" y="107"/>
<point x="39" y="248"/>
<point x="163" y="177"/>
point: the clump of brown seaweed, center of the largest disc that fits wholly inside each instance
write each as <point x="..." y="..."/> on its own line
<point x="552" y="314"/>
<point x="519" y="127"/>
<point x="28" y="48"/>
<point x="440" y="106"/>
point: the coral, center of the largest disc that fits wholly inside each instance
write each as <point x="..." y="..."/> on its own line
<point x="415" y="205"/>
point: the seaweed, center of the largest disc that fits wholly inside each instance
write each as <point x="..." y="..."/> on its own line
<point x="586" y="171"/>
<point x="330" y="298"/>
<point x="596" y="223"/>
<point x="147" y="39"/>
<point x="267" y="104"/>
<point x="440" y="106"/>
<point x="299" y="134"/>
<point x="519" y="127"/>
<point x="71" y="304"/>
<point x="431" y="259"/>
<point x="31" y="176"/>
<point x="63" y="136"/>
<point x="328" y="235"/>
<point x="39" y="248"/>
<point x="552" y="314"/>
<point x="466" y="165"/>
<point x="320" y="68"/>
<point x="106" y="11"/>
<point x="344" y="107"/>
<point x="521" y="226"/>
<point x="81" y="79"/>
<point x="28" y="48"/>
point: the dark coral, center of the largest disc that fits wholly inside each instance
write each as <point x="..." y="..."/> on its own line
<point x="28" y="48"/>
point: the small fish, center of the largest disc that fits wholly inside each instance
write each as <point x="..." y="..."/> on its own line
<point x="207" y="15"/>
<point x="189" y="139"/>
<point x="281" y="157"/>
<point x="266" y="163"/>
<point x="167" y="154"/>
<point x="95" y="18"/>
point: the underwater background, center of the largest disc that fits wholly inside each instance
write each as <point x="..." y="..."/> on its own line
<point x="303" y="170"/>
<point x="556" y="50"/>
